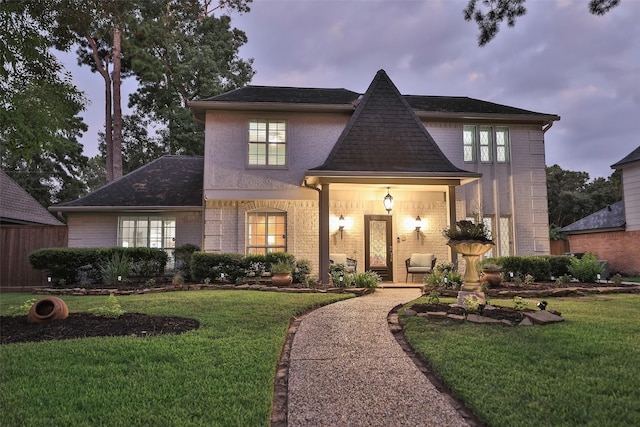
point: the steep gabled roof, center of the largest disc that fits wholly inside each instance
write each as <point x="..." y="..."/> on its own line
<point x="385" y="135"/>
<point x="607" y="219"/>
<point x="167" y="182"/>
<point x="634" y="156"/>
<point x="19" y="207"/>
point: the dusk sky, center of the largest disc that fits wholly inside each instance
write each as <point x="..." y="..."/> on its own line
<point x="558" y="59"/>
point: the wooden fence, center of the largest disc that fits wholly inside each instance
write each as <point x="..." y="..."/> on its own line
<point x="16" y="242"/>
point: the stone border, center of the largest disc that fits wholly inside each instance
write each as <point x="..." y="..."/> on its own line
<point x="174" y="288"/>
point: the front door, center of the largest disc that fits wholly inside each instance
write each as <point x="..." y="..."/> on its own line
<point x="378" y="245"/>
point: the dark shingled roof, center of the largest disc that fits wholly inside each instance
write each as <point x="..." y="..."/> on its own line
<point x="170" y="181"/>
<point x="462" y="104"/>
<point x="19" y="207"/>
<point x="611" y="217"/>
<point x="319" y="96"/>
<point x="385" y="135"/>
<point x="288" y="95"/>
<point x="634" y="156"/>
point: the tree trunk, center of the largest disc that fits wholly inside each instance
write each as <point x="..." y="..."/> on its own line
<point x="116" y="149"/>
<point x="103" y="68"/>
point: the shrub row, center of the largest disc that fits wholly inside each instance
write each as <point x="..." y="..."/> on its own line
<point x="544" y="267"/>
<point x="67" y="265"/>
<point x="231" y="267"/>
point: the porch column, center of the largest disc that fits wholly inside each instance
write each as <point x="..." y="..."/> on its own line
<point x="452" y="218"/>
<point x="323" y="237"/>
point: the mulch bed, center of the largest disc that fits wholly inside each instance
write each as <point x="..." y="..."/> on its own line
<point x="14" y="329"/>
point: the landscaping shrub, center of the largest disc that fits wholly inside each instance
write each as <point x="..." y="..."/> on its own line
<point x="536" y="266"/>
<point x="586" y="269"/>
<point x="145" y="262"/>
<point x="559" y="265"/>
<point x="214" y="265"/>
<point x="276" y="257"/>
<point x="62" y="263"/>
<point x="116" y="270"/>
<point x="302" y="271"/>
<point x="367" y="279"/>
<point x="183" y="259"/>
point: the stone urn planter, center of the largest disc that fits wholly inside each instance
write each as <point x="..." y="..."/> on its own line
<point x="281" y="279"/>
<point x="48" y="309"/>
<point x="493" y="276"/>
<point x="471" y="251"/>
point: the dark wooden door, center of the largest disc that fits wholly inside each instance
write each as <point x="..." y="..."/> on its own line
<point x="379" y="245"/>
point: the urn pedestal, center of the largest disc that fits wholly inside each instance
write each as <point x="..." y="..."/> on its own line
<point x="471" y="251"/>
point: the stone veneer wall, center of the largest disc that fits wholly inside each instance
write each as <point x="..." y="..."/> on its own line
<point x="620" y="248"/>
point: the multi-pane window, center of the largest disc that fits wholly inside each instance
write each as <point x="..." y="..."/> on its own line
<point x="267" y="143"/>
<point x="505" y="236"/>
<point x="486" y="143"/>
<point x="502" y="145"/>
<point x="266" y="232"/>
<point x="148" y="232"/>
<point x="469" y="141"/>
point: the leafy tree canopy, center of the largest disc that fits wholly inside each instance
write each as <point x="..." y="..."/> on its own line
<point x="488" y="14"/>
<point x="572" y="196"/>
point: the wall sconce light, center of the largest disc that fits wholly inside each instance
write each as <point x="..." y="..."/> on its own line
<point x="388" y="201"/>
<point x="418" y="225"/>
<point x="341" y="225"/>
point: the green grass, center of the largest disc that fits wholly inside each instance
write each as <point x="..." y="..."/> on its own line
<point x="631" y="279"/>
<point x="584" y="371"/>
<point x="219" y="375"/>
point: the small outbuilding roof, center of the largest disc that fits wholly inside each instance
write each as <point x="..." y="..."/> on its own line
<point x="19" y="207"/>
<point x="170" y="182"/>
<point x="608" y="219"/>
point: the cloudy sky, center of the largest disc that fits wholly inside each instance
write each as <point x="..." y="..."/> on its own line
<point x="558" y="59"/>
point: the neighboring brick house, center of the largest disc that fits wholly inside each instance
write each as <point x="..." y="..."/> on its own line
<point x="613" y="233"/>
<point x="284" y="168"/>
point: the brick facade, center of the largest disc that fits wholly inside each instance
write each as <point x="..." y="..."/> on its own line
<point x="620" y="248"/>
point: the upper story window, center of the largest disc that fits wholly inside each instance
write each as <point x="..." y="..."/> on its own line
<point x="148" y="232"/>
<point x="266" y="232"/>
<point x="267" y="142"/>
<point x="492" y="144"/>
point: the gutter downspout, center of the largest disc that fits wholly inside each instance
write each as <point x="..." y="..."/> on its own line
<point x="546" y="128"/>
<point x="323" y="230"/>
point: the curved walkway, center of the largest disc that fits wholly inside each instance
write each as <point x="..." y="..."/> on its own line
<point x="346" y="369"/>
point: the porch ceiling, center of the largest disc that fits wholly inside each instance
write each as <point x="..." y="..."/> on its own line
<point x="315" y="178"/>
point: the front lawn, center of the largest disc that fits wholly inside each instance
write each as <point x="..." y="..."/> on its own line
<point x="583" y="371"/>
<point x="221" y="374"/>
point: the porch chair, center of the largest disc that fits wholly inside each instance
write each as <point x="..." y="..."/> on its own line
<point x="419" y="264"/>
<point x="350" y="264"/>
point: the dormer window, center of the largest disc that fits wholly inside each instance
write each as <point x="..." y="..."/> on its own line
<point x="267" y="142"/>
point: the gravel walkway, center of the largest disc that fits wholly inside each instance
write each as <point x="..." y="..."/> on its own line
<point x="346" y="369"/>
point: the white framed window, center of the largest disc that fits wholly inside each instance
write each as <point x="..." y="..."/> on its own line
<point x="502" y="145"/>
<point x="469" y="143"/>
<point x="486" y="143"/>
<point x="267" y="143"/>
<point x="148" y="232"/>
<point x="266" y="232"/>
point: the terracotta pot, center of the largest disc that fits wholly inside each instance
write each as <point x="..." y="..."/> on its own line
<point x="492" y="277"/>
<point x="281" y="279"/>
<point x="48" y="309"/>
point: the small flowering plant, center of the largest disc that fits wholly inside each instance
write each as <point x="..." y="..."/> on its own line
<point x="468" y="230"/>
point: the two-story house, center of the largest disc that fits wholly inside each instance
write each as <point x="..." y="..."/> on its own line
<point x="376" y="176"/>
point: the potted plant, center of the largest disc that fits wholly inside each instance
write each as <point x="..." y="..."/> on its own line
<point x="492" y="274"/>
<point x="471" y="240"/>
<point x="281" y="273"/>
